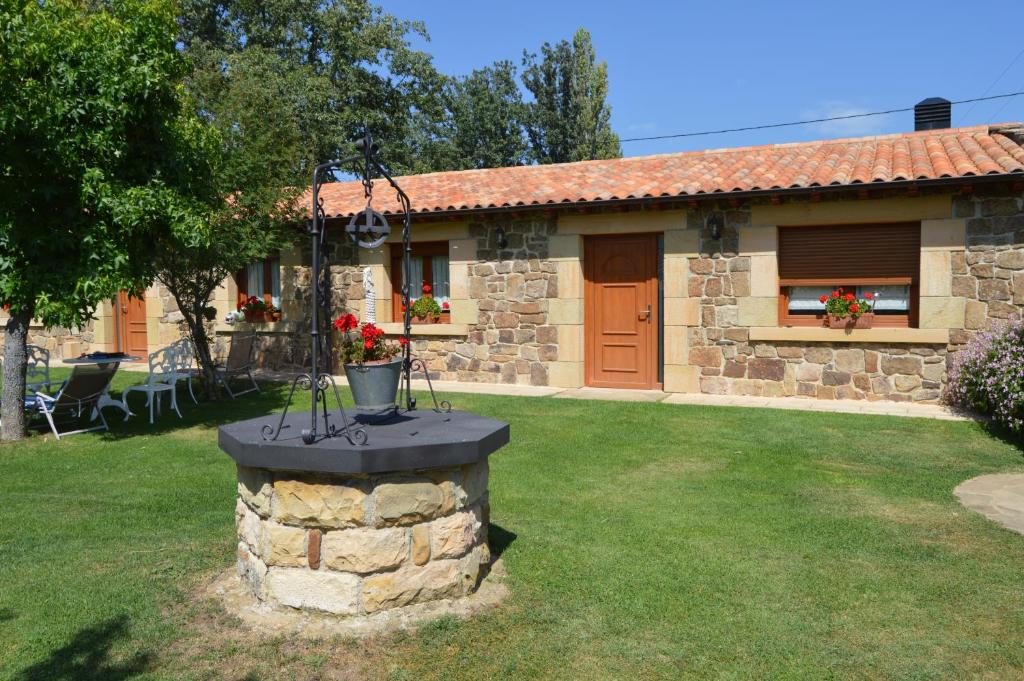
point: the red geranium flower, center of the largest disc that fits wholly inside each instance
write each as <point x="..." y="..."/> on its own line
<point x="835" y="294"/>
<point x="869" y="295"/>
<point x="427" y="288"/>
<point x="849" y="297"/>
<point x="855" y="308"/>
<point x="403" y="341"/>
<point x="368" y="345"/>
<point x="253" y="300"/>
<point x="445" y="305"/>
<point x="346" y="322"/>
<point x="823" y="298"/>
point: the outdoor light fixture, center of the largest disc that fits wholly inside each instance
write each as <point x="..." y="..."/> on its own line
<point x="499" y="234"/>
<point x="715" y="225"/>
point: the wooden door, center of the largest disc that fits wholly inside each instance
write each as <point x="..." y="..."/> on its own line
<point x="131" y="325"/>
<point x="621" y="311"/>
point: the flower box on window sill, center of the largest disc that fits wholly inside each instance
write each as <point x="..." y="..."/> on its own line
<point x="262" y="316"/>
<point x="864" y="321"/>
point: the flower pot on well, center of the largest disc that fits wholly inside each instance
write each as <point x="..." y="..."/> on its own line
<point x="374" y="384"/>
<point x="864" y="321"/>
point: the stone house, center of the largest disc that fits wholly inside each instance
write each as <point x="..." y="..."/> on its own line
<point x="693" y="272"/>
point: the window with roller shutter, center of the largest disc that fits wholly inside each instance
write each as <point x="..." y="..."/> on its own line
<point x="883" y="259"/>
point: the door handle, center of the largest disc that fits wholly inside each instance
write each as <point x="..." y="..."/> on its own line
<point x="645" y="315"/>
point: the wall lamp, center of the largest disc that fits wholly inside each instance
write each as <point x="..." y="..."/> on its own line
<point x="502" y="240"/>
<point x="715" y="226"/>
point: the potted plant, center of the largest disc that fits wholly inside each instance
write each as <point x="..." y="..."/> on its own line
<point x="373" y="366"/>
<point x="254" y="310"/>
<point x="425" y="308"/>
<point x="846" y="311"/>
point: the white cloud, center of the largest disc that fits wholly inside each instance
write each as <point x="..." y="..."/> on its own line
<point x="850" y="127"/>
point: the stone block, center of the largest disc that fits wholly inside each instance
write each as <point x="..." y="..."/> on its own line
<point x="364" y="550"/>
<point x="255" y="488"/>
<point x="251" y="570"/>
<point x="767" y="369"/>
<point x="829" y="377"/>
<point x="809" y="372"/>
<point x="248" y="526"/>
<point x="975" y="315"/>
<point x="850" y="360"/>
<point x="682" y="379"/>
<point x="333" y="592"/>
<point x="675" y="275"/>
<point x="764" y="276"/>
<point x="282" y="544"/>
<point x="421" y="543"/>
<point x="707" y="356"/>
<point x="734" y="369"/>
<point x="759" y="239"/>
<point x="818" y="355"/>
<point x="758" y="311"/>
<point x="454" y="535"/>
<point x="993" y="289"/>
<point x="936" y="273"/>
<point x="907" y="383"/>
<point x="313" y="504"/>
<point x="902" y="364"/>
<point x="407" y="502"/>
<point x="942" y="313"/>
<point x="565" y="374"/>
<point x="465" y="312"/>
<point x="714" y="385"/>
<point x="948" y="234"/>
<point x="1011" y="260"/>
<point x="565" y="311"/>
<point x="676" y="345"/>
<point x="682" y="312"/>
<point x="437" y="579"/>
<point x="964" y="286"/>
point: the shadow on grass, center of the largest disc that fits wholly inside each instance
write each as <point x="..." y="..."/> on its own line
<point x="499" y="539"/>
<point x="7" y="614"/>
<point x="87" y="657"/>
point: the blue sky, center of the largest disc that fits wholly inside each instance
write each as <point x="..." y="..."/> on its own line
<point x="692" y="66"/>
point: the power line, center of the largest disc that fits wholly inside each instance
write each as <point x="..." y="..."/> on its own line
<point x="993" y="84"/>
<point x="807" y="122"/>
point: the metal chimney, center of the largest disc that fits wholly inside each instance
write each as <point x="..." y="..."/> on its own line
<point x="933" y="113"/>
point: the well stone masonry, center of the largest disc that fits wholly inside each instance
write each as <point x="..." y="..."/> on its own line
<point x="352" y="545"/>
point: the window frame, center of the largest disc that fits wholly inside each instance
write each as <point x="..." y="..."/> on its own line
<point x="424" y="249"/>
<point x="242" y="275"/>
<point x="909" y="320"/>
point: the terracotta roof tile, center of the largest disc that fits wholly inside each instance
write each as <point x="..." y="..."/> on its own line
<point x="921" y="156"/>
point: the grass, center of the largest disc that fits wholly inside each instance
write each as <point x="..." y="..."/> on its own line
<point x="641" y="541"/>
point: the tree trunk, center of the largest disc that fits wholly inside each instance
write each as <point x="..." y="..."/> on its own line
<point x="12" y="413"/>
<point x="202" y="343"/>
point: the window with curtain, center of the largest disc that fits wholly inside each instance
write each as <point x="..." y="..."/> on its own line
<point x="429" y="265"/>
<point x="883" y="259"/>
<point x="261" y="279"/>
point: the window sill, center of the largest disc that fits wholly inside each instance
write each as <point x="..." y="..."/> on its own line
<point x="264" y="327"/>
<point x="879" y="335"/>
<point x="395" y="329"/>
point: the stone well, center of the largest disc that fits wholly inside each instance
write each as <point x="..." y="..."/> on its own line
<point x="352" y="531"/>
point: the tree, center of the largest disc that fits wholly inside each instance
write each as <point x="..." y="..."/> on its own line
<point x="568" y="119"/>
<point x="248" y="100"/>
<point x="91" y="107"/>
<point x="352" y="65"/>
<point x="482" y="125"/>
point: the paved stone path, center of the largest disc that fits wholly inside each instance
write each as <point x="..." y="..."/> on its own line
<point x="931" y="411"/>
<point x="999" y="497"/>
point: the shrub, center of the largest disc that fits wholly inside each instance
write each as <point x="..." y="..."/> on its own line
<point x="988" y="375"/>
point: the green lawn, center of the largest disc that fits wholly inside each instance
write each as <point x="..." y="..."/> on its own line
<point x="641" y="541"/>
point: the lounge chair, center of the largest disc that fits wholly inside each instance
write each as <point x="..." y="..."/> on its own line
<point x="238" y="364"/>
<point x="78" y="398"/>
<point x="37" y="370"/>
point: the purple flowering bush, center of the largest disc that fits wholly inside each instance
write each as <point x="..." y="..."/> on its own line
<point x="988" y="375"/>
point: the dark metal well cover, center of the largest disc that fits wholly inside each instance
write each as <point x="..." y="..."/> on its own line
<point x="409" y="441"/>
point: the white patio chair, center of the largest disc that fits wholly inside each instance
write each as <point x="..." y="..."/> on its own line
<point x="238" y="363"/>
<point x="78" y="398"/>
<point x="185" y="371"/>
<point x="37" y="370"/>
<point x="162" y="379"/>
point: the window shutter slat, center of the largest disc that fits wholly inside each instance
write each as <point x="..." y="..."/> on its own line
<point x="847" y="252"/>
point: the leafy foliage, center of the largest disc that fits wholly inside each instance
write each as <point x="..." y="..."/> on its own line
<point x="97" y="146"/>
<point x="568" y="119"/>
<point x="365" y="343"/>
<point x="425" y="307"/>
<point x="248" y="99"/>
<point x="345" y="64"/>
<point x="842" y="303"/>
<point x="988" y="375"/>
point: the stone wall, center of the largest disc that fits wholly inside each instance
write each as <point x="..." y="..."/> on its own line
<point x="362" y="544"/>
<point x="990" y="273"/>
